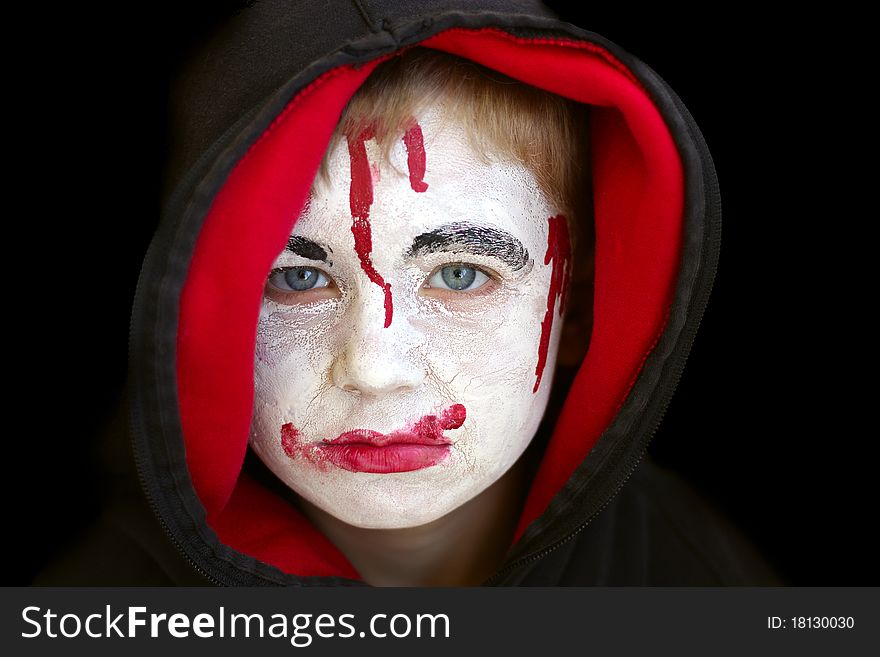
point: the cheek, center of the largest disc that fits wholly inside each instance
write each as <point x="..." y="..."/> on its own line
<point x="283" y="332"/>
<point x="492" y="372"/>
<point x="489" y="355"/>
<point x="292" y="356"/>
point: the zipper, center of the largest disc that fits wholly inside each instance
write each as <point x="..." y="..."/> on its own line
<point x="139" y="436"/>
<point x="536" y="556"/>
<point x="701" y="296"/>
<point x="138" y="458"/>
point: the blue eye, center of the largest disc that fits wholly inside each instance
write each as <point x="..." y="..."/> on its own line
<point x="298" y="279"/>
<point x="458" y="277"/>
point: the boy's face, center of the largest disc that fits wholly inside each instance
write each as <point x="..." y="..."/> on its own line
<point x="401" y="330"/>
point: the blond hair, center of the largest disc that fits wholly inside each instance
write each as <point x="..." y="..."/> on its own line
<point x="502" y="116"/>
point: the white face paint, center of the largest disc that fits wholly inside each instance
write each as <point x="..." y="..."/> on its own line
<point x="428" y="393"/>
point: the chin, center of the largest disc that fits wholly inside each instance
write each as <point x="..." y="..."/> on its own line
<point x="377" y="510"/>
<point x="389" y="522"/>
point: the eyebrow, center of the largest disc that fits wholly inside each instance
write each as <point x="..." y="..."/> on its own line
<point x="463" y="237"/>
<point x="307" y="248"/>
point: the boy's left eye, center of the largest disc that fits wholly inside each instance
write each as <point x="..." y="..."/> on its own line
<point x="298" y="279"/>
<point x="458" y="277"/>
<point x="293" y="286"/>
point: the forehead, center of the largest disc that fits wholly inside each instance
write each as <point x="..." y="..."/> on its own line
<point x="462" y="185"/>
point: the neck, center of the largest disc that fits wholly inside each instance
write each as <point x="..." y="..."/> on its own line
<point x="462" y="548"/>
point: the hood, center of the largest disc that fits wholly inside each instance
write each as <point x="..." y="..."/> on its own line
<point x="272" y="83"/>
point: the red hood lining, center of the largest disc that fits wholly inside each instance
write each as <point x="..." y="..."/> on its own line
<point x="638" y="202"/>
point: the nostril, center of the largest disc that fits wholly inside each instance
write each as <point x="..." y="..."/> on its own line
<point x="375" y="383"/>
<point x="376" y="368"/>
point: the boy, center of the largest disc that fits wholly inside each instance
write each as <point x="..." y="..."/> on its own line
<point x="409" y="331"/>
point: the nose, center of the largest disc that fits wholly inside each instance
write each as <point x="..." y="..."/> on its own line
<point x="377" y="360"/>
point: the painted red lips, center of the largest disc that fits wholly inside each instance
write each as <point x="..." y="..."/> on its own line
<point x="414" y="448"/>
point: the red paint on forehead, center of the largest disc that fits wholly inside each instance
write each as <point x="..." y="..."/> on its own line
<point x="360" y="199"/>
<point x="559" y="253"/>
<point x="415" y="157"/>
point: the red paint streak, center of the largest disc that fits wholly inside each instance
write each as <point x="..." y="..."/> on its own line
<point x="307" y="205"/>
<point x="289" y="440"/>
<point x="559" y="253"/>
<point x="360" y="199"/>
<point x="453" y="417"/>
<point x="431" y="426"/>
<point x="415" y="157"/>
<point x="293" y="445"/>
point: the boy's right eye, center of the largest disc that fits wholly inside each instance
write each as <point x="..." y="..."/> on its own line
<point x="295" y="285"/>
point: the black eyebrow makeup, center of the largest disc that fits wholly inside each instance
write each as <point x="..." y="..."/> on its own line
<point x="307" y="248"/>
<point x="470" y="238"/>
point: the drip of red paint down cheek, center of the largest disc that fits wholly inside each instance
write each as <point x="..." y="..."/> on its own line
<point x="559" y="253"/>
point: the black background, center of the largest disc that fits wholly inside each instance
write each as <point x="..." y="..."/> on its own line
<point x="766" y="419"/>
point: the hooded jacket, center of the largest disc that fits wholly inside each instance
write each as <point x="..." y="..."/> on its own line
<point x="270" y="84"/>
